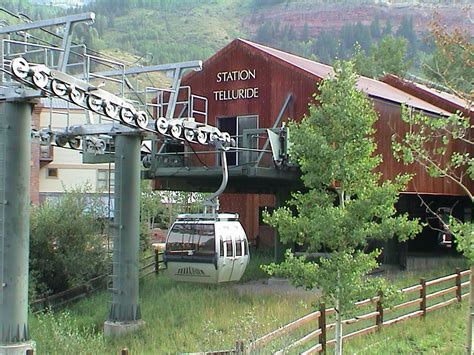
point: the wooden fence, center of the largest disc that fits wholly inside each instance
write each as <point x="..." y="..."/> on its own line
<point x="153" y="264"/>
<point x="423" y="298"/>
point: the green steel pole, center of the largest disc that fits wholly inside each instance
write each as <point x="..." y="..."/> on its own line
<point x="125" y="304"/>
<point x="15" y="155"/>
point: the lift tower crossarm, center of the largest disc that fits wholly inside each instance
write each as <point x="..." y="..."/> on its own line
<point x="89" y="16"/>
<point x="69" y="21"/>
<point x="195" y="64"/>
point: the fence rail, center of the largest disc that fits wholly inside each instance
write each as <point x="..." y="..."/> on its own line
<point x="427" y="300"/>
<point x="154" y="266"/>
<point x="63" y="298"/>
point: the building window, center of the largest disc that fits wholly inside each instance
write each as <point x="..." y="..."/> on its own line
<point x="105" y="180"/>
<point x="52" y="173"/>
<point x="46" y="152"/>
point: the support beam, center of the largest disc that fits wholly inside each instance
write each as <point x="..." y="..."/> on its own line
<point x="124" y="316"/>
<point x="15" y="155"/>
<point x="89" y="16"/>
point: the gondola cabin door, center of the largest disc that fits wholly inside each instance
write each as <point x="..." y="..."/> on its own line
<point x="233" y="251"/>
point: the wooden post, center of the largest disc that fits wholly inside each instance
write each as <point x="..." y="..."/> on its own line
<point x="470" y="323"/>
<point x="30" y="352"/>
<point x="322" y="326"/>
<point x="239" y="347"/>
<point x="124" y="351"/>
<point x="157" y="261"/>
<point x="423" y="296"/>
<point x="458" y="284"/>
<point x="379" y="308"/>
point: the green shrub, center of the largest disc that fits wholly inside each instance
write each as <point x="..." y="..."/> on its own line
<point x="67" y="246"/>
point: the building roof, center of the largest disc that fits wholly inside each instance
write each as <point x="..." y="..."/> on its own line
<point x="439" y="98"/>
<point x="372" y="87"/>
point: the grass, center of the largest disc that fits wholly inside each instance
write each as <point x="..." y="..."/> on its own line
<point x="442" y="332"/>
<point x="190" y="318"/>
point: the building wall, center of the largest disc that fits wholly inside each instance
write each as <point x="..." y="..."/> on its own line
<point x="67" y="163"/>
<point x="274" y="83"/>
<point x="35" y="160"/>
<point x="275" y="80"/>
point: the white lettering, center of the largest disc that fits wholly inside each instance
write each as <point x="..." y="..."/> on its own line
<point x="236" y="75"/>
<point x="226" y="95"/>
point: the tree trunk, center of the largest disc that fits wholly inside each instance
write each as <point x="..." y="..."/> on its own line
<point x="470" y="321"/>
<point x="338" y="345"/>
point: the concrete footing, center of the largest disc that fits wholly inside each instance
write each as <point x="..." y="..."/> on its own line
<point x="17" y="349"/>
<point x="112" y="329"/>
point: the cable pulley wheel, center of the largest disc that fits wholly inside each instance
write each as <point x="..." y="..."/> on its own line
<point x="75" y="143"/>
<point x="58" y="88"/>
<point x="141" y="119"/>
<point x="94" y="103"/>
<point x="176" y="131"/>
<point x="226" y="137"/>
<point x="202" y="137"/>
<point x="214" y="136"/>
<point x="77" y="96"/>
<point x="189" y="134"/>
<point x="126" y="115"/>
<point x="60" y="141"/>
<point x="162" y="125"/>
<point x="20" y="68"/>
<point x="110" y="110"/>
<point x="101" y="145"/>
<point x="40" y="79"/>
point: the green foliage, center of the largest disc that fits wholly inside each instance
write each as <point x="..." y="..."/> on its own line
<point x="345" y="205"/>
<point x="429" y="142"/>
<point x="201" y="318"/>
<point x="66" y="241"/>
<point x="452" y="63"/>
<point x="152" y="213"/>
<point x="379" y="50"/>
<point x="464" y="232"/>
<point x="196" y="318"/>
<point x="166" y="30"/>
<point x="63" y="328"/>
<point x="388" y="57"/>
<point x="350" y="265"/>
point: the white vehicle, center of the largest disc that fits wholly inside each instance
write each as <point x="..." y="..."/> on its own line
<point x="206" y="248"/>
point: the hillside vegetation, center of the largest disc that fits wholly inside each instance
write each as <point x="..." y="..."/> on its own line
<point x="160" y="31"/>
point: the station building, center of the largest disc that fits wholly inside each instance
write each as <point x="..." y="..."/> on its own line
<point x="251" y="87"/>
<point x="55" y="170"/>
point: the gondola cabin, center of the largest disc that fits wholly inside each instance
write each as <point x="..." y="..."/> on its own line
<point x="206" y="248"/>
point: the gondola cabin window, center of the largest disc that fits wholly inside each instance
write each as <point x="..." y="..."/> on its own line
<point x="191" y="239"/>
<point x="238" y="248"/>
<point x="228" y="249"/>
<point x="221" y="248"/>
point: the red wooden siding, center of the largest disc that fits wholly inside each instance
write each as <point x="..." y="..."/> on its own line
<point x="276" y="77"/>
